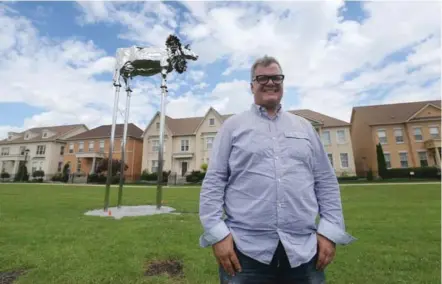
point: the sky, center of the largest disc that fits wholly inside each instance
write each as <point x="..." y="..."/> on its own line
<point x="57" y="58"/>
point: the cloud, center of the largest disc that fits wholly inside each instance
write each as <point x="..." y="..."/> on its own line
<point x="392" y="55"/>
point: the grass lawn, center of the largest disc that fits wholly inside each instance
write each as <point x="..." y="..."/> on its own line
<point x="43" y="229"/>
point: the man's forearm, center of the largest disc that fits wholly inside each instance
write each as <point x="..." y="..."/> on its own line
<point x="211" y="208"/>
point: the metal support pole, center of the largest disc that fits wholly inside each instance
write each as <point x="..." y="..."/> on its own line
<point x="161" y="142"/>
<point x="123" y="145"/>
<point x="111" y="147"/>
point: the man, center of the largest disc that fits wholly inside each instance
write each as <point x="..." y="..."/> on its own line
<point x="269" y="172"/>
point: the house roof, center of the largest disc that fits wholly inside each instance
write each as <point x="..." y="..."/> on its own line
<point x="59" y="131"/>
<point x="391" y="113"/>
<point x="186" y="126"/>
<point x="104" y="131"/>
<point x="325" y="120"/>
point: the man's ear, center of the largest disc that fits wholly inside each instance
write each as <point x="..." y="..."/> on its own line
<point x="251" y="87"/>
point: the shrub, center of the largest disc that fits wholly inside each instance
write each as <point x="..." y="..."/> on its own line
<point x="154" y="176"/>
<point x="195" y="176"/>
<point x="370" y="174"/>
<point x="204" y="167"/>
<point x="419" y="172"/>
<point x="4" y="175"/>
<point x="57" y="177"/>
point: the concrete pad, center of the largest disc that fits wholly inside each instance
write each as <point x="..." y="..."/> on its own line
<point x="130" y="211"/>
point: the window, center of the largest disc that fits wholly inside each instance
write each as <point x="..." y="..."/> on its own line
<point x="41" y="149"/>
<point x="154" y="167"/>
<point x="387" y="160"/>
<point x="423" y="158"/>
<point x="45" y="134"/>
<point x="80" y="146"/>
<point x="382" y="136"/>
<point x="211" y="121"/>
<point x="5" y="151"/>
<point x="209" y="142"/>
<point x="399" y="136"/>
<point x="344" y="160"/>
<point x="330" y="157"/>
<point x="91" y="145"/>
<point x="62" y="150"/>
<point x="418" y="134"/>
<point x="434" y="132"/>
<point x="184" y="145"/>
<point x="157" y="125"/>
<point x="101" y="146"/>
<point x="326" y="139"/>
<point x="34" y="166"/>
<point x="78" y="165"/>
<point x="22" y="150"/>
<point x="404" y="159"/>
<point x="155" y="146"/>
<point x="71" y="147"/>
<point x="341" y="136"/>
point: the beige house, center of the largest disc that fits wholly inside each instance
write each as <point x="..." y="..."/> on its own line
<point x="408" y="132"/>
<point x="188" y="141"/>
<point x="39" y="148"/>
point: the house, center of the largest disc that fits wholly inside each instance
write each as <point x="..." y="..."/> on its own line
<point x="85" y="150"/>
<point x="40" y="148"/>
<point x="336" y="139"/>
<point x="408" y="132"/>
<point x="188" y="141"/>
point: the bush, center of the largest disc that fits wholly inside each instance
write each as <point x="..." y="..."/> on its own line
<point x="419" y="172"/>
<point x="154" y="176"/>
<point x="195" y="176"/>
<point x="204" y="167"/>
<point x="22" y="174"/>
<point x="370" y="174"/>
<point x="342" y="178"/>
<point x="4" y="175"/>
<point x="57" y="177"/>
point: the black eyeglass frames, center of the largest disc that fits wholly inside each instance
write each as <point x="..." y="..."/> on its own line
<point x="264" y="79"/>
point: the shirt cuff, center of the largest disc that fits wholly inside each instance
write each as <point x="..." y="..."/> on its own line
<point x="334" y="233"/>
<point x="214" y="235"/>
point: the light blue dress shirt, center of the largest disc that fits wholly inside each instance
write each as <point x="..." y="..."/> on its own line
<point x="271" y="177"/>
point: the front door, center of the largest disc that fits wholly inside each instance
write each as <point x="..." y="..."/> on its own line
<point x="183" y="168"/>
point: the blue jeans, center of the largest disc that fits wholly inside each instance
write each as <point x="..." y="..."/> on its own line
<point x="277" y="272"/>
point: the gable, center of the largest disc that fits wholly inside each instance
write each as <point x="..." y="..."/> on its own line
<point x="153" y="129"/>
<point x="428" y="112"/>
<point x="210" y="123"/>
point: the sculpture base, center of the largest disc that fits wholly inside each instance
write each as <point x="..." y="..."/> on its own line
<point x="131" y="211"/>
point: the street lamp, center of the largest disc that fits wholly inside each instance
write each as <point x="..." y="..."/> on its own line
<point x="24" y="165"/>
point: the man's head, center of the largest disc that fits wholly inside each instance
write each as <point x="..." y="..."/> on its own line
<point x="267" y="82"/>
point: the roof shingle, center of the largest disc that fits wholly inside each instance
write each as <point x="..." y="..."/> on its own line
<point x="59" y="131"/>
<point x="104" y="131"/>
<point x="325" y="120"/>
<point x="391" y="113"/>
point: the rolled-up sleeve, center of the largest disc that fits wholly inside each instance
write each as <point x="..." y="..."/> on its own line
<point x="331" y="222"/>
<point x="213" y="187"/>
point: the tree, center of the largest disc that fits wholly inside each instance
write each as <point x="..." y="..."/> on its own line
<point x="382" y="165"/>
<point x="204" y="167"/>
<point x="116" y="165"/>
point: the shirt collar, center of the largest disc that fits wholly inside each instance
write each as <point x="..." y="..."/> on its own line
<point x="260" y="110"/>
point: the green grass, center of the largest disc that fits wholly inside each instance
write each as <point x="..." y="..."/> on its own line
<point x="42" y="228"/>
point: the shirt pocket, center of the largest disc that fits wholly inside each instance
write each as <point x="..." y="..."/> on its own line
<point x="297" y="146"/>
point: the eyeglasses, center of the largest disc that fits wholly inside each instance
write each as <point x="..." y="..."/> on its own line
<point x="264" y="79"/>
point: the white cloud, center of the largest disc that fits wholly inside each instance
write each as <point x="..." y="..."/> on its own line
<point x="59" y="75"/>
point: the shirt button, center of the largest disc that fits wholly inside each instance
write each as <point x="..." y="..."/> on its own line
<point x="276" y="158"/>
<point x="279" y="180"/>
<point x="273" y="138"/>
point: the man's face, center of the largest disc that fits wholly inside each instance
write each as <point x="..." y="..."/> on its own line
<point x="268" y="92"/>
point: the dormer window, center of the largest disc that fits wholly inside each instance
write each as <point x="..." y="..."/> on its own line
<point x="9" y="137"/>
<point x="27" y="136"/>
<point x="45" y="134"/>
<point x="211" y="121"/>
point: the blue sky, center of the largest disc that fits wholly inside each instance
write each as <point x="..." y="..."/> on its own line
<point x="335" y="56"/>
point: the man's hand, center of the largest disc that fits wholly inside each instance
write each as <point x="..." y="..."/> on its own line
<point x="326" y="252"/>
<point x="226" y="256"/>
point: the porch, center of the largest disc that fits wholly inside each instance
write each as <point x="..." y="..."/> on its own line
<point x="433" y="146"/>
